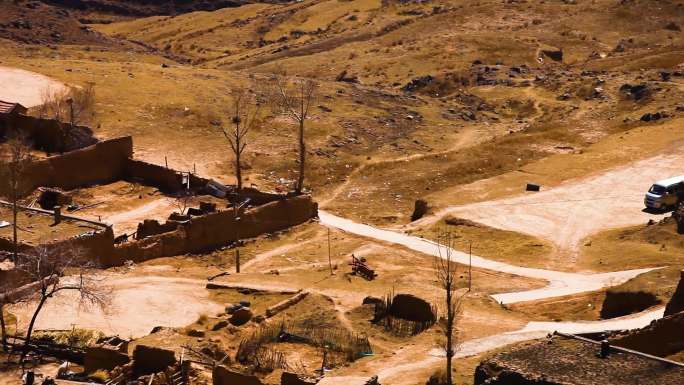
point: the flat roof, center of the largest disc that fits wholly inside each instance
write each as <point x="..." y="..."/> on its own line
<point x="670" y="181"/>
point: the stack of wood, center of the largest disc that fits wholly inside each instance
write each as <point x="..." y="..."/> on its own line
<point x="359" y="267"/>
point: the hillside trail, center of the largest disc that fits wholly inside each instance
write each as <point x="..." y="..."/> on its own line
<point x="467" y="138"/>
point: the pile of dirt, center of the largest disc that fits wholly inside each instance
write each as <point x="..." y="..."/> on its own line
<point x="33" y="22"/>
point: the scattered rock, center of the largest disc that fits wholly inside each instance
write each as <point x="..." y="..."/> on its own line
<point x="220" y="325"/>
<point x="241" y="316"/>
<point x="672" y="26"/>
<point x="651" y="117"/>
<point x="418" y="83"/>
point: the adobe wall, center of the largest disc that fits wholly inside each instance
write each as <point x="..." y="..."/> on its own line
<point x="676" y="303"/>
<point x="214" y="230"/>
<point x="47" y="134"/>
<point x="103" y="162"/>
<point x="218" y="229"/>
<point x="156" y="246"/>
<point x="661" y="338"/>
<point x="151" y="174"/>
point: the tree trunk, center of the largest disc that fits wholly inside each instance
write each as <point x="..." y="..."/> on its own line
<point x="238" y="169"/>
<point x="15" y="238"/>
<point x="302" y="158"/>
<point x="24" y="351"/>
<point x="3" y="329"/>
<point x="449" y="335"/>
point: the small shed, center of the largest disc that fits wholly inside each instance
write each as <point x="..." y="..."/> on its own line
<point x="10" y="108"/>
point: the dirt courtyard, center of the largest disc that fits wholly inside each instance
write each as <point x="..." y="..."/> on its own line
<point x="26" y="88"/>
<point x="137" y="304"/>
<point x="567" y="214"/>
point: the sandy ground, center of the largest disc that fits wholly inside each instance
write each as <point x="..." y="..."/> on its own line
<point x="138" y="304"/>
<point x="25" y="87"/>
<point x="560" y="283"/>
<point x="567" y="214"/>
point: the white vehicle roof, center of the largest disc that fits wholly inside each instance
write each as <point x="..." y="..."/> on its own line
<point x="670" y="181"/>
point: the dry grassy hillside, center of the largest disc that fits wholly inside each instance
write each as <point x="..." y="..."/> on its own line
<point x="415" y="97"/>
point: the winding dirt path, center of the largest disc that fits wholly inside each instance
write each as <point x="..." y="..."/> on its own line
<point x="560" y="283"/>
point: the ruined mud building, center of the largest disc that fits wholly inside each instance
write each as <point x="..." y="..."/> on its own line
<point x="78" y="160"/>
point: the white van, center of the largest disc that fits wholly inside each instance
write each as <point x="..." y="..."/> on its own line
<point x="663" y="194"/>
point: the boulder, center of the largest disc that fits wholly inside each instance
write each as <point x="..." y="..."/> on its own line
<point x="241" y="316"/>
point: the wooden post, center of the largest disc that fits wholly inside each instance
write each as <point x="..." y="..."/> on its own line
<point x="329" y="254"/>
<point x="237" y="233"/>
<point x="470" y="266"/>
<point x="166" y="161"/>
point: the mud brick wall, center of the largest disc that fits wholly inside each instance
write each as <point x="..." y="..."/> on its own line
<point x="661" y="338"/>
<point x="217" y="229"/>
<point x="156" y="246"/>
<point x="47" y="134"/>
<point x="676" y="303"/>
<point x="103" y="162"/>
<point x="151" y="174"/>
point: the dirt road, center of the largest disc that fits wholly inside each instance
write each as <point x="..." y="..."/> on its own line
<point x="25" y="87"/>
<point x="138" y="304"/>
<point x="397" y="368"/>
<point x="560" y="283"/>
<point x="567" y="214"/>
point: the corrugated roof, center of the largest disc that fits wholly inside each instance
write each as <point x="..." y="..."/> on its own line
<point x="7" y="107"/>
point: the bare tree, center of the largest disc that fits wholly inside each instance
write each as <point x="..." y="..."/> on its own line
<point x="58" y="270"/>
<point x="294" y="100"/>
<point x="446" y="271"/>
<point x="182" y="200"/>
<point x="18" y="159"/>
<point x="244" y="116"/>
<point x="75" y="105"/>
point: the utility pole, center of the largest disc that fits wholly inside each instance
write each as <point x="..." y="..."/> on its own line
<point x="470" y="266"/>
<point x="237" y="206"/>
<point x="329" y="254"/>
